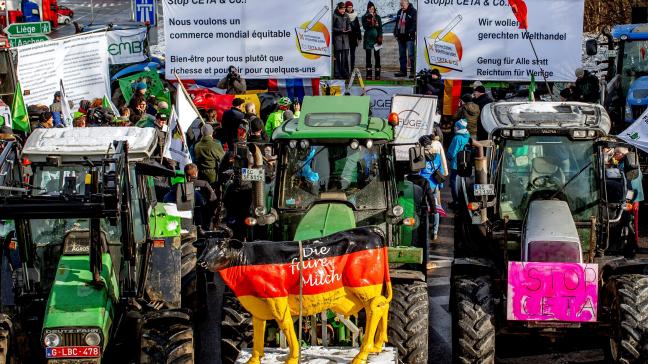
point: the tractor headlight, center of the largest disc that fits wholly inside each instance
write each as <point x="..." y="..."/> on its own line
<point x="303" y="144"/>
<point x="369" y="143"/>
<point x="92" y="339"/>
<point x="52" y="340"/>
<point x="292" y="144"/>
<point x="398" y="211"/>
<point x="354" y="144"/>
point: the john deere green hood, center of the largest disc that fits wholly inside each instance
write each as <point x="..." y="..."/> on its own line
<point x="325" y="219"/>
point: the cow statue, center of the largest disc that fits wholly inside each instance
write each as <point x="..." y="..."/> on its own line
<point x="344" y="272"/>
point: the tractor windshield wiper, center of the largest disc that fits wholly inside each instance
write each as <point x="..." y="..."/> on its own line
<point x="571" y="180"/>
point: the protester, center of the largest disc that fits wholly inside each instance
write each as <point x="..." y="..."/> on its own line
<point x="124" y="117"/>
<point x="151" y="105"/>
<point x="79" y="122"/>
<point x="233" y="83"/>
<point x="256" y="128"/>
<point x="480" y="97"/>
<point x="587" y="86"/>
<point x="207" y="193"/>
<point x="373" y="38"/>
<point x="55" y="108"/>
<point x="138" y="116"/>
<point x="208" y="153"/>
<point x="140" y="88"/>
<point x="84" y="107"/>
<point x="341" y="30"/>
<point x="435" y="172"/>
<point x="276" y="118"/>
<point x="458" y="143"/>
<point x="405" y="33"/>
<point x="232" y="120"/>
<point x="568" y="94"/>
<point x="296" y="107"/>
<point x="470" y="111"/>
<point x="45" y="121"/>
<point x="162" y="105"/>
<point x="355" y="36"/>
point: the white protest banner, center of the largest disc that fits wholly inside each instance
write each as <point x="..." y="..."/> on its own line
<point x="175" y="146"/>
<point x="637" y="133"/>
<point x="80" y="61"/>
<point x="126" y="45"/>
<point x="185" y="110"/>
<point x="481" y="39"/>
<point x="381" y="97"/>
<point x="263" y="39"/>
<point x="415" y="119"/>
<point x="66" y="113"/>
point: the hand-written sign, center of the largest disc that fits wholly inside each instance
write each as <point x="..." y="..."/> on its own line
<point x="539" y="291"/>
<point x="316" y="271"/>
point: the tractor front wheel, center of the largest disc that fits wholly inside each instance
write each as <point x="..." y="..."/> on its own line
<point x="408" y="321"/>
<point x="167" y="338"/>
<point x="236" y="328"/>
<point x="473" y="329"/>
<point x="628" y="300"/>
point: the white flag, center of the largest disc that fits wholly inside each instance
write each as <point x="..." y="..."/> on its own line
<point x="175" y="146"/>
<point x="637" y="133"/>
<point x="66" y="114"/>
<point x="185" y="109"/>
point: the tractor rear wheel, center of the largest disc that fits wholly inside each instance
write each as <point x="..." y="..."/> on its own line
<point x="167" y="338"/>
<point x="473" y="328"/>
<point x="189" y="281"/>
<point x="628" y="300"/>
<point x="408" y="321"/>
<point x="236" y="328"/>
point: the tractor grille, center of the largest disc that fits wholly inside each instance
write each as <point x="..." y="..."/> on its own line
<point x="73" y="339"/>
<point x="638" y="110"/>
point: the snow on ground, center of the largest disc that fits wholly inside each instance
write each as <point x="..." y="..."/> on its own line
<point x="320" y="355"/>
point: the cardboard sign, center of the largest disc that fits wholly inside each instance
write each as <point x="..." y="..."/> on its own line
<point x="540" y="291"/>
<point x="312" y="42"/>
<point x="443" y="54"/>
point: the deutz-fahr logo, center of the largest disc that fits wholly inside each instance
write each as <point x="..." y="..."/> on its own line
<point x="134" y="47"/>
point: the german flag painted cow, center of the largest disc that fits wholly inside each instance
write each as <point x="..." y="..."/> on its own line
<point x="344" y="272"/>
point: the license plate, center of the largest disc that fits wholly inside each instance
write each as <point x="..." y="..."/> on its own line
<point x="541" y="291"/>
<point x="73" y="352"/>
<point x="484" y="190"/>
<point x="253" y="174"/>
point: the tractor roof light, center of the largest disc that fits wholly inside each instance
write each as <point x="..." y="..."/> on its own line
<point x="393" y="119"/>
<point x="517" y="133"/>
<point x="506" y="133"/>
<point x="579" y="134"/>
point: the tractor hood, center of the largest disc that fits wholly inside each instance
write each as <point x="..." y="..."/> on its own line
<point x="73" y="302"/>
<point x="325" y="219"/>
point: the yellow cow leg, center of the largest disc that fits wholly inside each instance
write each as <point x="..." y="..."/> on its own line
<point x="381" y="331"/>
<point x="258" y="340"/>
<point x="374" y="312"/>
<point x="281" y="312"/>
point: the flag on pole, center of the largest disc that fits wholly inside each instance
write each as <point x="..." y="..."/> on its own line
<point x="520" y="11"/>
<point x="19" y="111"/>
<point x="107" y="103"/>
<point x="185" y="109"/>
<point x="532" y="88"/>
<point x="175" y="146"/>
<point x="66" y="113"/>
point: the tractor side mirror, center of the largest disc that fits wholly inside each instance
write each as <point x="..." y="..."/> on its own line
<point x="591" y="47"/>
<point x="631" y="166"/>
<point x="153" y="168"/>
<point x="464" y="163"/>
<point x="416" y="158"/>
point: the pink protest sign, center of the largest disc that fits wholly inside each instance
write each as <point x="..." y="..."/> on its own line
<point x="539" y="291"/>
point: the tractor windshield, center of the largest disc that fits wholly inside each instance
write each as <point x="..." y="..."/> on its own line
<point x="335" y="171"/>
<point x="634" y="63"/>
<point x="541" y="163"/>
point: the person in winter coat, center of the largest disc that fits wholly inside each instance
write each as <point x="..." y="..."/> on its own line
<point x="277" y="118"/>
<point x="587" y="86"/>
<point x="233" y="83"/>
<point x="231" y="120"/>
<point x="405" y="33"/>
<point x="208" y="154"/>
<point x="458" y="143"/>
<point x="341" y="31"/>
<point x="373" y="37"/>
<point x="256" y="131"/>
<point x="481" y="99"/>
<point x="355" y="36"/>
<point x="470" y="111"/>
<point x="435" y="159"/>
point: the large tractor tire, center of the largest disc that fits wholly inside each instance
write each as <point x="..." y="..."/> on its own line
<point x="408" y="321"/>
<point x="167" y="338"/>
<point x="473" y="321"/>
<point x="628" y="300"/>
<point x="189" y="282"/>
<point x="236" y="328"/>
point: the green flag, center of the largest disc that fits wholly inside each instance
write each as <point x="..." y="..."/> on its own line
<point x="532" y="88"/>
<point x="19" y="111"/>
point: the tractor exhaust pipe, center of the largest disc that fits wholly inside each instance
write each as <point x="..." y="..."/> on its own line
<point x="264" y="217"/>
<point x="481" y="174"/>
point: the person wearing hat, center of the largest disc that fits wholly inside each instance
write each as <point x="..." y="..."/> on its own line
<point x="277" y="117"/>
<point x="470" y="111"/>
<point x="435" y="160"/>
<point x="232" y="120"/>
<point x="587" y="86"/>
<point x="373" y="38"/>
<point x="355" y="36"/>
<point x="405" y="33"/>
<point x="55" y="108"/>
<point x="45" y="121"/>
<point x="341" y="31"/>
<point x="140" y="88"/>
<point x="208" y="154"/>
<point x="459" y="142"/>
<point x="480" y="97"/>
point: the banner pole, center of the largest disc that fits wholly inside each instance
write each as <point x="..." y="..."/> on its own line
<point x="186" y="94"/>
<point x="541" y="70"/>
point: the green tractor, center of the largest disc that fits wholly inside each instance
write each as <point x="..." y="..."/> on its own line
<point x="96" y="269"/>
<point x="336" y="170"/>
